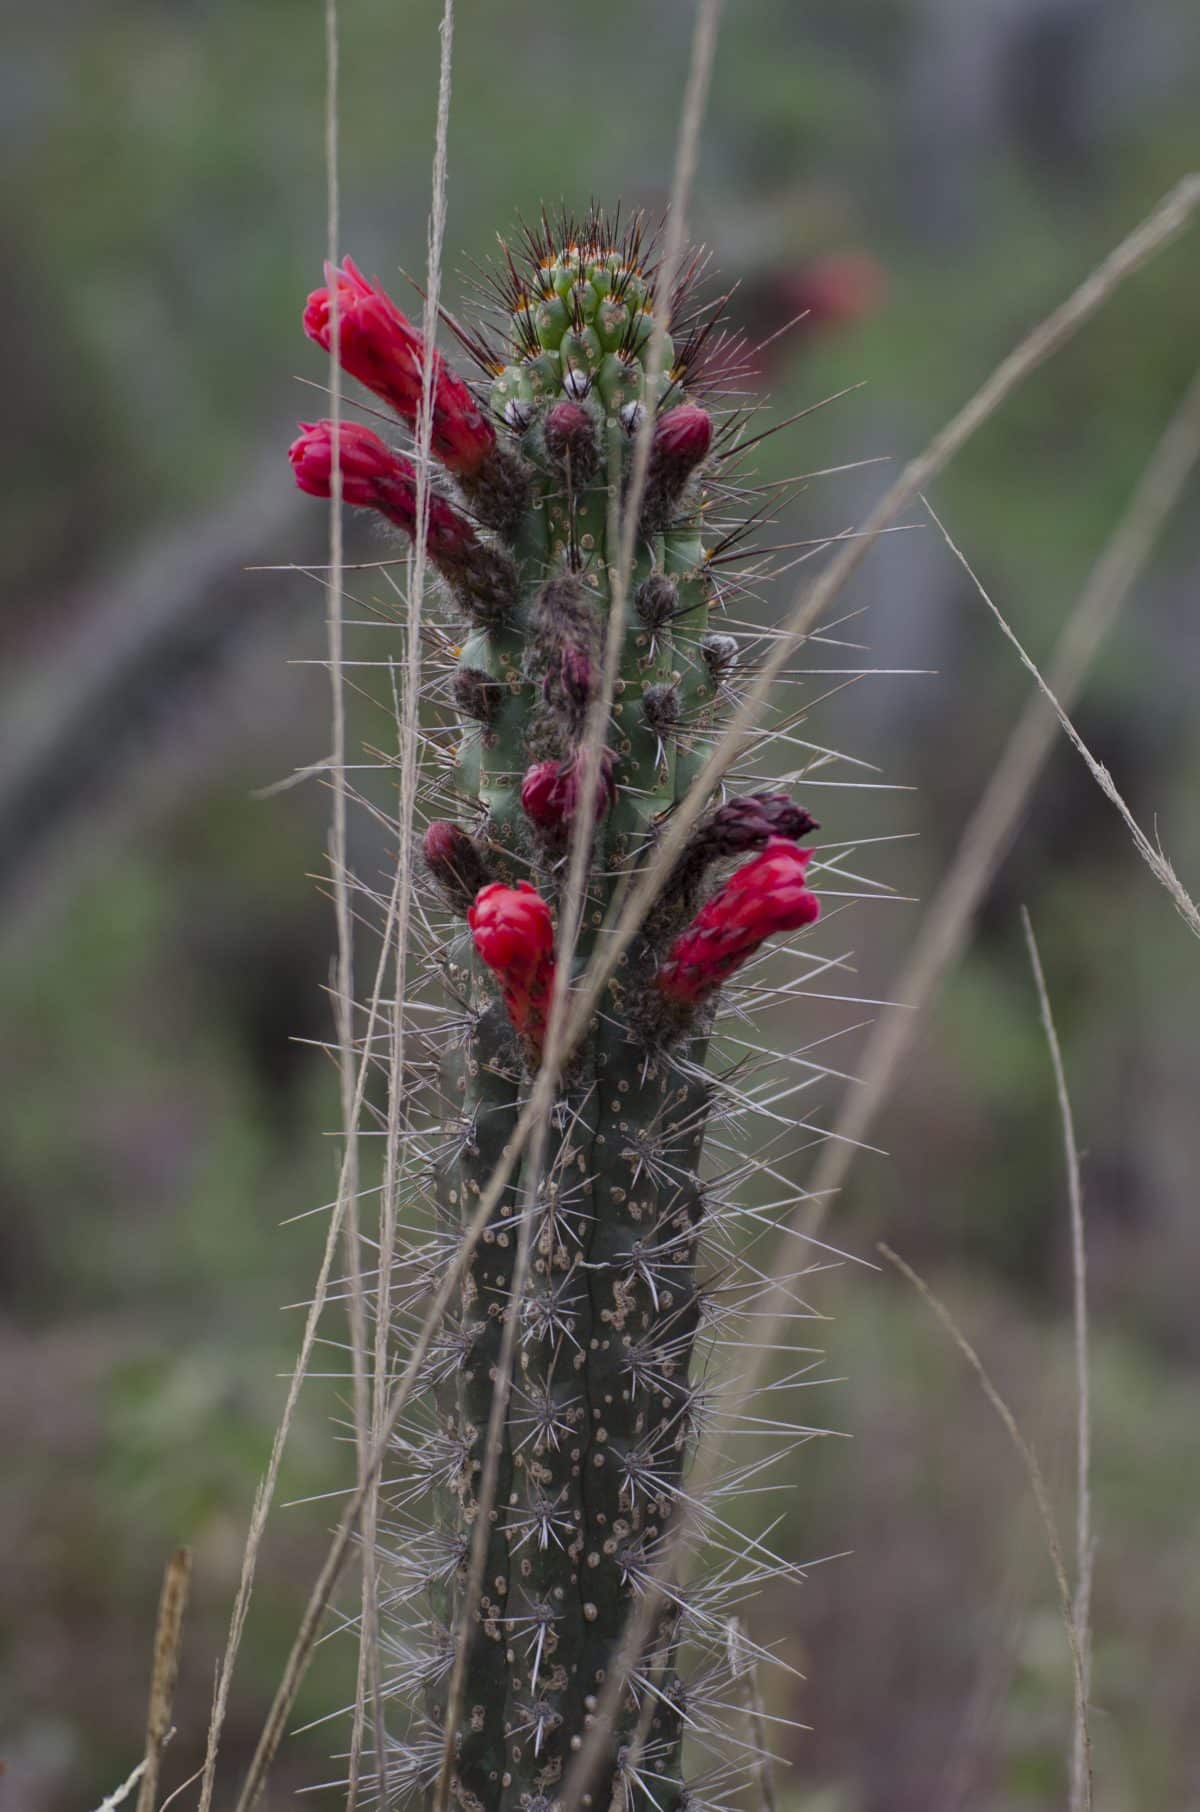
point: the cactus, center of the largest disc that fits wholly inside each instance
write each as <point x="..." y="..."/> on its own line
<point x="626" y="1240"/>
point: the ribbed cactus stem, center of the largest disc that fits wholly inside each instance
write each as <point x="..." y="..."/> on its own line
<point x="603" y="1408"/>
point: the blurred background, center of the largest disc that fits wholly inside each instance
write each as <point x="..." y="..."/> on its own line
<point x="926" y="178"/>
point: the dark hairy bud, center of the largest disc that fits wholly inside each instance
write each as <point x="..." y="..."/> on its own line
<point x="478" y="695"/>
<point x="720" y="655"/>
<point x="657" y="601"/>
<point x="456" y="863"/>
<point x="737" y="828"/>
<point x="498" y="490"/>
<point x="660" y="708"/>
<point x="571" y="442"/>
<point x="566" y="640"/>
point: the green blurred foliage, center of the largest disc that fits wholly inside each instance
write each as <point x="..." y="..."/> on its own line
<point x="164" y="195"/>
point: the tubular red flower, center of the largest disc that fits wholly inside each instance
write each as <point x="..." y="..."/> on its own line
<point x="375" y="478"/>
<point x="379" y="346"/>
<point x="552" y="790"/>
<point x="513" y="934"/>
<point x="370" y="470"/>
<point x="763" y="898"/>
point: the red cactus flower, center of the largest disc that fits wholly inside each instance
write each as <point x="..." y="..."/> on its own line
<point x="379" y="346"/>
<point x="764" y="897"/>
<point x="552" y="790"/>
<point x="375" y="478"/>
<point x="514" y="936"/>
<point x="370" y="470"/>
<point x="833" y="289"/>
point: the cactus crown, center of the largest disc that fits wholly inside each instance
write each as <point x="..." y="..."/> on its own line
<point x="627" y="1236"/>
<point x="581" y="305"/>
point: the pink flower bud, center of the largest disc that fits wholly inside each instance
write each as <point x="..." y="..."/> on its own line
<point x="683" y="435"/>
<point x="681" y="441"/>
<point x="379" y="346"/>
<point x="764" y="897"/>
<point x="513" y="934"/>
<point x="552" y="791"/>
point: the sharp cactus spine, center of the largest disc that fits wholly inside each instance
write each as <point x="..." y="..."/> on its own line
<point x="603" y="1408"/>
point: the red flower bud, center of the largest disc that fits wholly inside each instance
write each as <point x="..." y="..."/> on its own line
<point x="683" y="435"/>
<point x="681" y="441"/>
<point x="513" y="934"/>
<point x="375" y="478"/>
<point x="379" y="346"/>
<point x="764" y="897"/>
<point x="552" y="790"/>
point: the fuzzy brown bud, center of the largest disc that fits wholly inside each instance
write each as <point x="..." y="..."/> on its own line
<point x="656" y="601"/>
<point x="735" y="829"/>
<point x="478" y="695"/>
<point x="456" y="863"/>
<point x="571" y="442"/>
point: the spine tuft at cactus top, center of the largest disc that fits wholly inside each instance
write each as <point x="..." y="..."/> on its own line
<point x="634" y="1252"/>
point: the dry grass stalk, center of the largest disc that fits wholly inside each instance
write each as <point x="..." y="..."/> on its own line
<point x="1151" y="853"/>
<point x="1084" y="1547"/>
<point x="168" y="1636"/>
<point x="1167" y="221"/>
<point x="1041" y="1496"/>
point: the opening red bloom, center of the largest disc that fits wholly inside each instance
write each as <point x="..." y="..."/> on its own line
<point x="371" y="472"/>
<point x="379" y="346"/>
<point x="514" y="935"/>
<point x="763" y="898"/>
<point x="375" y="478"/>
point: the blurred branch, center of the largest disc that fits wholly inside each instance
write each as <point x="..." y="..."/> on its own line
<point x="149" y="646"/>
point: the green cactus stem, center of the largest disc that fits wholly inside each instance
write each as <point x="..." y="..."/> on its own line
<point x="605" y="1405"/>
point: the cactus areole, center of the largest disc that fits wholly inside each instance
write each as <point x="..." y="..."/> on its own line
<point x="626" y="1269"/>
